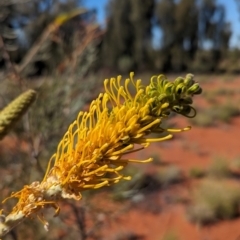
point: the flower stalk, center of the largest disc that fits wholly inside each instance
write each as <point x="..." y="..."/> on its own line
<point x="95" y="148"/>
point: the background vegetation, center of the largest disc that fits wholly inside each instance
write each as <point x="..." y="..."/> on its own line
<point x="66" y="62"/>
<point x="195" y="36"/>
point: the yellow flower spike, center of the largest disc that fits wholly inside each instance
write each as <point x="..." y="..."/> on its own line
<point x="15" y="110"/>
<point x="90" y="154"/>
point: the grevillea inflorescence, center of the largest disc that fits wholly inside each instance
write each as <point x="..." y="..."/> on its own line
<point x="94" y="150"/>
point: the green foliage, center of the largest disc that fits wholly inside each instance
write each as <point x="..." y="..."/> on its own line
<point x="214" y="200"/>
<point x="128" y="37"/>
<point x="128" y="41"/>
<point x="183" y="48"/>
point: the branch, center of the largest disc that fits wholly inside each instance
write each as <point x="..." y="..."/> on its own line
<point x="60" y="20"/>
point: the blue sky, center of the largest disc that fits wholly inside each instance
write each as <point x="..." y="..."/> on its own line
<point x="231" y="15"/>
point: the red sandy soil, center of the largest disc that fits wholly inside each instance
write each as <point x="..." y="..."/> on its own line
<point x="154" y="226"/>
<point x="196" y="147"/>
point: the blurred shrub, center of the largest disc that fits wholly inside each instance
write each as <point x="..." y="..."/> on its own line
<point x="214" y="200"/>
<point x="201" y="213"/>
<point x="204" y="118"/>
<point x="170" y="175"/>
<point x="209" y="117"/>
<point x="126" y="189"/>
<point x="219" y="168"/>
<point x="127" y="235"/>
<point x="156" y="159"/>
<point x="226" y="111"/>
<point x="41" y="35"/>
<point x="170" y="235"/>
<point x="140" y="184"/>
<point x="235" y="164"/>
<point x="231" y="62"/>
<point x="203" y="62"/>
<point x="196" y="172"/>
<point x="223" y="92"/>
<point x="59" y="101"/>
